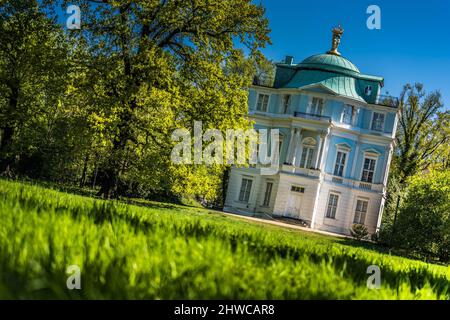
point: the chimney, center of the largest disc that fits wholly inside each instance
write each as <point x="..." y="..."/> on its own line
<point x="289" y="60"/>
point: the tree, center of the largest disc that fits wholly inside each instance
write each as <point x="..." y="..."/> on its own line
<point x="158" y="65"/>
<point x="424" y="218"/>
<point x="33" y="64"/>
<point x="421" y="132"/>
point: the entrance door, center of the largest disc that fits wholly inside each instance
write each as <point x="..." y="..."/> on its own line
<point x="293" y="205"/>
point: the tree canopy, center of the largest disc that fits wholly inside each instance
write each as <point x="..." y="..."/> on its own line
<point x="103" y="101"/>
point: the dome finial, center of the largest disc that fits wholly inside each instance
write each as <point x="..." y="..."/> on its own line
<point x="337" y="34"/>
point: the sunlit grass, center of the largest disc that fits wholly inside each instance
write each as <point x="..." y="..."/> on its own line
<point x="164" y="251"/>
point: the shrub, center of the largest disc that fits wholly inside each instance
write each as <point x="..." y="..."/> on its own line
<point x="423" y="224"/>
<point x="359" y="231"/>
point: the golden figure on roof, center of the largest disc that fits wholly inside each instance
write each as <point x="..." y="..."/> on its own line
<point x="337" y="34"/>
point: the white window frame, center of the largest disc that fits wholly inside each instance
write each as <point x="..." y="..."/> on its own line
<point x="384" y="121"/>
<point x="355" y="211"/>
<point x="353" y="116"/>
<point x="312" y="148"/>
<point x="347" y="152"/>
<point x="332" y="193"/>
<point x="249" y="192"/>
<point x="372" y="157"/>
<point x="297" y="189"/>
<point x="268" y="196"/>
<point x="257" y="100"/>
<point x="284" y="110"/>
<point x="310" y="105"/>
<point x="370" y="88"/>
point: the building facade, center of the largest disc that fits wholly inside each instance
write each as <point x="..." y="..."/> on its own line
<point x="336" y="142"/>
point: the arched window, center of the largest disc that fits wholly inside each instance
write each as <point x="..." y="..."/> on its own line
<point x="308" y="148"/>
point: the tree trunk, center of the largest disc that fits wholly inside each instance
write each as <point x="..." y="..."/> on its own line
<point x="83" y="174"/>
<point x="110" y="182"/>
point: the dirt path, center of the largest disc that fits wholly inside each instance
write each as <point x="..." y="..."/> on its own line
<point x="284" y="225"/>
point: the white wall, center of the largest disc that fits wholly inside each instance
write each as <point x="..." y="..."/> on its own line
<point x="346" y="209"/>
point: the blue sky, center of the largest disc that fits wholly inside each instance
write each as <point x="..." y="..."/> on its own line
<point x="413" y="44"/>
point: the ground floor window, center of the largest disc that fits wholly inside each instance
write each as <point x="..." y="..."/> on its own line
<point x="360" y="211"/>
<point x="332" y="205"/>
<point x="297" y="189"/>
<point x="246" y="187"/>
<point x="268" y="194"/>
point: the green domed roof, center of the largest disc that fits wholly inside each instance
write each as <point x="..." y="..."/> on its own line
<point x="329" y="62"/>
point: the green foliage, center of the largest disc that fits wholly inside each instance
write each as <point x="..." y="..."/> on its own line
<point x="162" y="251"/>
<point x="423" y="129"/>
<point x="359" y="232"/>
<point x="98" y="106"/>
<point x="34" y="60"/>
<point x="424" y="218"/>
<point x="164" y="65"/>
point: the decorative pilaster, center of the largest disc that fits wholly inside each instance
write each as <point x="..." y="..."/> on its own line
<point x="387" y="156"/>
<point x="298" y="147"/>
<point x="323" y="149"/>
<point x="289" y="155"/>
<point x="319" y="139"/>
<point x="355" y="159"/>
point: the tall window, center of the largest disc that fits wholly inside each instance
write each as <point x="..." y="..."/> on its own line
<point x="246" y="187"/>
<point x="332" y="205"/>
<point x="378" y="121"/>
<point x="368" y="90"/>
<point x="360" y="212"/>
<point x="368" y="170"/>
<point x="348" y="114"/>
<point x="263" y="102"/>
<point x="267" y="194"/>
<point x="308" y="147"/>
<point x="317" y="106"/>
<point x="340" y="163"/>
<point x="286" y="103"/>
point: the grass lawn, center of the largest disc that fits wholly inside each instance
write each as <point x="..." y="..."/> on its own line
<point x="162" y="251"/>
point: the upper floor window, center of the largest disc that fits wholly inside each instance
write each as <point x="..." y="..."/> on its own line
<point x="246" y="187"/>
<point x="360" y="211"/>
<point x="339" y="166"/>
<point x="316" y="106"/>
<point x="378" y="121"/>
<point x="308" y="147"/>
<point x="286" y="103"/>
<point x="368" y="170"/>
<point x="332" y="205"/>
<point x="368" y="91"/>
<point x="262" y="102"/>
<point x="348" y="114"/>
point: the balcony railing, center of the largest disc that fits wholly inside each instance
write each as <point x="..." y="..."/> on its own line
<point x="354" y="183"/>
<point x="315" y="173"/>
<point x="387" y="101"/>
<point x="312" y="116"/>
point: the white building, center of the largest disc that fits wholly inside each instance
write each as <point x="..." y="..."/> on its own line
<point x="337" y="137"/>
